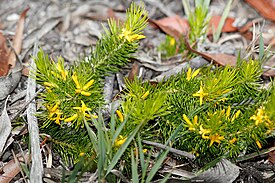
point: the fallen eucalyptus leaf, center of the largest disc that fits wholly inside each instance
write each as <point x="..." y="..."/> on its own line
<point x="223" y="172"/>
<point x="9" y="82"/>
<point x="5" y="127"/>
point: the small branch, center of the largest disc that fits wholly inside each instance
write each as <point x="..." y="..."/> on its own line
<point x="171" y="150"/>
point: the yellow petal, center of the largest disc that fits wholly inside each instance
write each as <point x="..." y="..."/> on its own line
<point x="259" y="144"/>
<point x="232" y="141"/>
<point x="54" y="108"/>
<point x="172" y="41"/>
<point x="49" y="84"/>
<point x="120" y="115"/>
<point x="228" y="111"/>
<point x="87" y="94"/>
<point x="90" y="83"/>
<point x="145" y="95"/>
<point x="195" y="120"/>
<point x="195" y="73"/>
<point x="73" y="117"/>
<point x="187" y="120"/>
<point x="74" y="77"/>
<point x="188" y="74"/>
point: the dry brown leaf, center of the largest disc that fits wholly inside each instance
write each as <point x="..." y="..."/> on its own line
<point x="4" y="66"/>
<point x="271" y="157"/>
<point x="218" y="59"/>
<point x="270" y="72"/>
<point x="227" y="27"/>
<point x="11" y="169"/>
<point x="174" y="26"/>
<point x="134" y="71"/>
<point x="17" y="41"/>
<point x="264" y="7"/>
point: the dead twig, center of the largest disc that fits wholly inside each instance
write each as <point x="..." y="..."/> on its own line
<point x="171" y="150"/>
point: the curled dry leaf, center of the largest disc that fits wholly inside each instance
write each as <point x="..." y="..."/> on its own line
<point x="269" y="70"/>
<point x="4" y="66"/>
<point x="223" y="172"/>
<point x="5" y="127"/>
<point x="17" y="42"/>
<point x="9" y="82"/>
<point x="264" y="7"/>
<point x="218" y="59"/>
<point x="227" y="27"/>
<point x="174" y="26"/>
<point x="11" y="169"/>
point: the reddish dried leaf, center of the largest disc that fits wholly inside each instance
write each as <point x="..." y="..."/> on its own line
<point x="270" y="72"/>
<point x="4" y="66"/>
<point x="227" y="27"/>
<point x="173" y="26"/>
<point x="134" y="71"/>
<point x="11" y="169"/>
<point x="264" y="7"/>
<point x="17" y="42"/>
<point x="218" y="59"/>
<point x="271" y="157"/>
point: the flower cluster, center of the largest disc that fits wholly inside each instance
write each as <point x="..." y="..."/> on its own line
<point x="213" y="126"/>
<point x="130" y="36"/>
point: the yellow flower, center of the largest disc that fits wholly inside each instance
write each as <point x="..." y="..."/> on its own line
<point x="74" y="77"/>
<point x="128" y="35"/>
<point x="145" y="95"/>
<point x="228" y="112"/>
<point x="259" y="117"/>
<point x="215" y="138"/>
<point x="189" y="72"/>
<point x="259" y="144"/>
<point x="120" y="115"/>
<point x="72" y="118"/>
<point x="82" y="154"/>
<point x="58" y="118"/>
<point x="172" y="41"/>
<point x="203" y="132"/>
<point x="62" y="71"/>
<point x="88" y="85"/>
<point x="190" y="124"/>
<point x="119" y="141"/>
<point x="200" y="94"/>
<point x="232" y="141"/>
<point x="53" y="110"/>
<point x="80" y="89"/>
<point x="49" y="84"/>
<point x="236" y="115"/>
<point x="83" y="109"/>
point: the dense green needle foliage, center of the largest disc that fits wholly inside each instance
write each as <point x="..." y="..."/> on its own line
<point x="74" y="94"/>
<point x="210" y="112"/>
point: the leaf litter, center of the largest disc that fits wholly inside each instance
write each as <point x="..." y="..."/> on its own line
<point x="56" y="34"/>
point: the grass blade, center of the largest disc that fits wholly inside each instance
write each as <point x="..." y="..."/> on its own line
<point x="261" y="48"/>
<point x="141" y="155"/>
<point x="122" y="149"/>
<point x="186" y="7"/>
<point x="134" y="168"/>
<point x="156" y="167"/>
<point x="217" y="32"/>
<point x="92" y="135"/>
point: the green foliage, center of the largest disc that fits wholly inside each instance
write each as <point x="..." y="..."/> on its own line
<point x="217" y="33"/>
<point x="198" y="20"/>
<point x="198" y="23"/>
<point x="171" y="47"/>
<point x="109" y="145"/>
<point x="74" y="94"/>
<point x="142" y="102"/>
<point x="210" y="106"/>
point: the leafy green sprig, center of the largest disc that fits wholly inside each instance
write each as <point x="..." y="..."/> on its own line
<point x="73" y="94"/>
